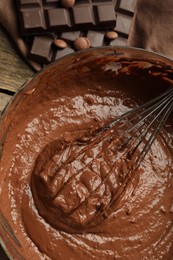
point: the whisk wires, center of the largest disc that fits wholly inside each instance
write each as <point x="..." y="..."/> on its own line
<point x="146" y="121"/>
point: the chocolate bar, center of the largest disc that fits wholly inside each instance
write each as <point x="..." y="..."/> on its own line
<point x="43" y="48"/>
<point x="44" y="51"/>
<point x="43" y="16"/>
<point x="126" y="7"/>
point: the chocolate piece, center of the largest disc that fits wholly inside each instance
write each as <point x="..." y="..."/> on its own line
<point x="39" y="16"/>
<point x="119" y="41"/>
<point x="126" y="7"/>
<point x="123" y="25"/>
<point x="41" y="49"/>
<point x="96" y="38"/>
<point x="124" y="12"/>
<point x="63" y="52"/>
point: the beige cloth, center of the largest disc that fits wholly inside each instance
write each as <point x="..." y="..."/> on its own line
<point x="8" y="19"/>
<point x="152" y="26"/>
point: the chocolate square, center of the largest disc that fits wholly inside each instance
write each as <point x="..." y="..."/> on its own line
<point x="106" y="14"/>
<point x="83" y="15"/>
<point x="96" y="38"/>
<point x="33" y="21"/>
<point x="41" y="49"/>
<point x="58" y="19"/>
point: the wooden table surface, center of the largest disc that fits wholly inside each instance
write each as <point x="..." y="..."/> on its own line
<point x="13" y="73"/>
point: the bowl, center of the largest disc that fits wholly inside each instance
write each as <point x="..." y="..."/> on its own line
<point x="57" y="110"/>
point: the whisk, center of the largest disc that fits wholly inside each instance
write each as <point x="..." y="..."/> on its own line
<point x="129" y="138"/>
<point x="144" y="123"/>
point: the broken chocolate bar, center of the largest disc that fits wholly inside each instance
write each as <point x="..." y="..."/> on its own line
<point x="43" y="49"/>
<point x="42" y="16"/>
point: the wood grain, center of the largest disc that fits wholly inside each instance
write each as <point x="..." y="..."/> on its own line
<point x="4" y="99"/>
<point x="13" y="69"/>
<point x="13" y="73"/>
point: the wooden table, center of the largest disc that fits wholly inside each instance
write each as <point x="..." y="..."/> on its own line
<point x="13" y="69"/>
<point x="13" y="73"/>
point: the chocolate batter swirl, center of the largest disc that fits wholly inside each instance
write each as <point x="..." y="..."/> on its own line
<point x="78" y="179"/>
